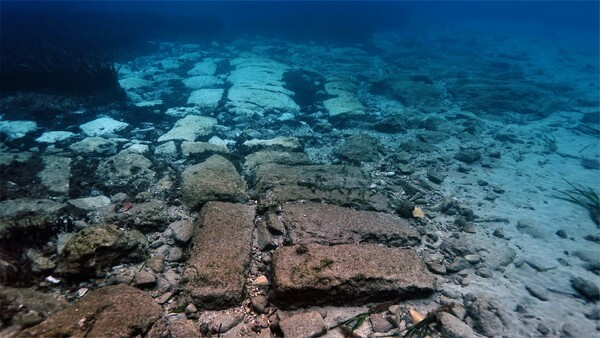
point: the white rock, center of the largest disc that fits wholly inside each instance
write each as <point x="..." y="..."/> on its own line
<point x="204" y="68"/>
<point x="344" y="105"/>
<point x="17" y="129"/>
<point x="134" y="82"/>
<point x="183" y="111"/>
<point x="167" y="149"/>
<point x="102" y="126"/>
<point x="95" y="145"/>
<point x="206" y="98"/>
<point x="138" y="148"/>
<point x="54" y="136"/>
<point x="189" y="128"/>
<point x="203" y="81"/>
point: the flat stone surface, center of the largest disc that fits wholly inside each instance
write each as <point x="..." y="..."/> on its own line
<point x="112" y="311"/>
<point x="56" y="173"/>
<point x="307" y="324"/>
<point x="215" y="276"/>
<point x="189" y="128"/>
<point x="335" y="184"/>
<point x="272" y="156"/>
<point x="329" y="224"/>
<point x="347" y="274"/>
<point x="102" y="126"/>
<point x="215" y="179"/>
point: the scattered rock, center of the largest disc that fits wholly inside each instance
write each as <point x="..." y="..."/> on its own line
<point x="112" y="311"/>
<point x="144" y="279"/>
<point x="183" y="328"/>
<point x="346" y="274"/>
<point x="307" y="324"/>
<point x="488" y="316"/>
<point x="589" y="290"/>
<point x="453" y="327"/>
<point x="224" y="321"/>
<point x="380" y="322"/>
<point x="182" y="231"/>
<point x="537" y="291"/>
<point x="468" y="156"/>
<point x="530" y="227"/>
<point x="359" y="148"/>
<point x="259" y="303"/>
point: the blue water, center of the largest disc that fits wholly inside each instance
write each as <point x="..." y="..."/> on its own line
<point x="492" y="107"/>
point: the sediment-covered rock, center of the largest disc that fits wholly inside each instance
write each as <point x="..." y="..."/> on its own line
<point x="215" y="179"/>
<point x="347" y="274"/>
<point x="98" y="247"/>
<point x="112" y="311"/>
<point x="329" y="224"/>
<point x="215" y="276"/>
<point x="336" y="184"/>
<point x="189" y="128"/>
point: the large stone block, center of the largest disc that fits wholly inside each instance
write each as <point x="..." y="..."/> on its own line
<point x="336" y="184"/>
<point x="329" y="224"/>
<point x="215" y="179"/>
<point x="112" y="311"/>
<point x="215" y="276"/>
<point x="347" y="274"/>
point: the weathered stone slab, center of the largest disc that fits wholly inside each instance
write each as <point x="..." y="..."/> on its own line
<point x="347" y="274"/>
<point x="273" y="156"/>
<point x="215" y="179"/>
<point x="189" y="128"/>
<point x="56" y="173"/>
<point x="329" y="224"/>
<point x="336" y="184"/>
<point x="216" y="271"/>
<point x="113" y="311"/>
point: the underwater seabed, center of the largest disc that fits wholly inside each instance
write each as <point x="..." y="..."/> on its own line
<point x="274" y="188"/>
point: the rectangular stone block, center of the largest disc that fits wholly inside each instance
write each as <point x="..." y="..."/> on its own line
<point x="330" y="224"/>
<point x="335" y="184"/>
<point x="215" y="276"/>
<point x="307" y="275"/>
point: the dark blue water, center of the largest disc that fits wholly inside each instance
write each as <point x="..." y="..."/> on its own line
<point x="114" y="24"/>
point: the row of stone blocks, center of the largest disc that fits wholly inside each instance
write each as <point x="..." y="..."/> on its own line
<point x="307" y="272"/>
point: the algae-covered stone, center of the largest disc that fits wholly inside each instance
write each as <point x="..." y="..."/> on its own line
<point x="112" y="311"/>
<point x="347" y="274"/>
<point x="215" y="179"/>
<point x="215" y="276"/>
<point x="98" y="247"/>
